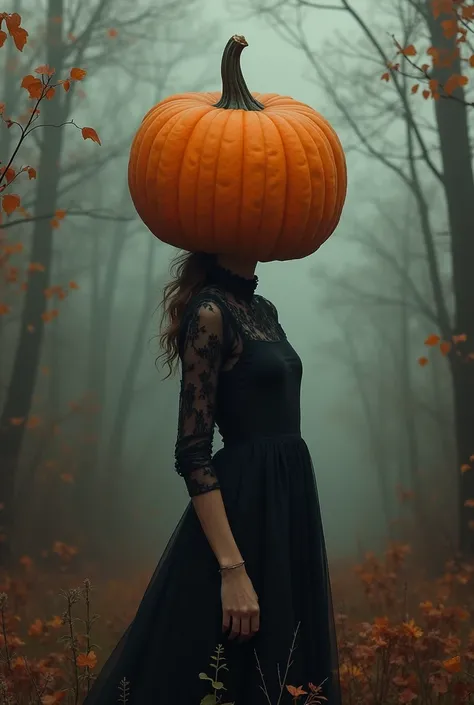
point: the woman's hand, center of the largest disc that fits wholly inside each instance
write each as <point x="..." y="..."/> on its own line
<point x="240" y="607"/>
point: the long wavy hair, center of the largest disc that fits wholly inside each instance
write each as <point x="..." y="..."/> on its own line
<point x="188" y="271"/>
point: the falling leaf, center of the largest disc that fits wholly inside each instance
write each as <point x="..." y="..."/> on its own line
<point x="48" y="316"/>
<point x="445" y="347"/>
<point x="422" y="361"/>
<point x="91" y="134"/>
<point x="432" y="340"/>
<point x="45" y="69"/>
<point x="33" y="85"/>
<point x="78" y="74"/>
<point x="10" y="203"/>
<point x="452" y="665"/>
<point x="73" y="285"/>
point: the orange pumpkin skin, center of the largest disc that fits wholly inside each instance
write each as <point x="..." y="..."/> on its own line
<point x="261" y="184"/>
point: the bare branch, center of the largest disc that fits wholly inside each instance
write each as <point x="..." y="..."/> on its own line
<point x="95" y="215"/>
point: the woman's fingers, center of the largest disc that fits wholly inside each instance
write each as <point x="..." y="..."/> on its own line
<point x="226" y="621"/>
<point x="235" y="631"/>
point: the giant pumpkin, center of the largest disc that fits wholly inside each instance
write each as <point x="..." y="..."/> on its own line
<point x="256" y="175"/>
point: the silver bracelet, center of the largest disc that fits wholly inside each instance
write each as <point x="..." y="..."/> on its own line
<point x="231" y="567"/>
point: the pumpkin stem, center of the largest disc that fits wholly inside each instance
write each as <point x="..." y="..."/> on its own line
<point x="235" y="94"/>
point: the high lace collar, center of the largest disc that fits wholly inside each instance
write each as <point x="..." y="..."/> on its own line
<point x="242" y="288"/>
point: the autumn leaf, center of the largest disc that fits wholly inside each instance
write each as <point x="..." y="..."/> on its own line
<point x="60" y="214"/>
<point x="33" y="85"/>
<point x="89" y="133"/>
<point x="414" y="89"/>
<point x="33" y="422"/>
<point x="53" y="698"/>
<point x="48" y="316"/>
<point x="385" y="77"/>
<point x="441" y="7"/>
<point x="408" y="51"/>
<point x="471" y="59"/>
<point x="78" y="74"/>
<point x="112" y="33"/>
<point x="426" y="94"/>
<point x="465" y="468"/>
<point x="432" y="340"/>
<point x="422" y="361"/>
<point x="10" y="174"/>
<point x="450" y="28"/>
<point x="36" y="628"/>
<point x="10" y="203"/>
<point x="4" y="309"/>
<point x="457" y="80"/>
<point x="45" y="69"/>
<point x="3" y="38"/>
<point x="73" y="285"/>
<point x="66" y="85"/>
<point x="452" y="665"/>
<point x="56" y="622"/>
<point x="445" y="347"/>
<point x="469" y="503"/>
<point x="87" y="660"/>
<point x="407" y="696"/>
<point x="31" y="173"/>
<point x="36" y="267"/>
<point x="296" y="692"/>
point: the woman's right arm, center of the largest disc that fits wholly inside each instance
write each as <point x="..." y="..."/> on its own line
<point x="201" y="354"/>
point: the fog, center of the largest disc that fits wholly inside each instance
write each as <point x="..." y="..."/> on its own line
<point x="343" y="308"/>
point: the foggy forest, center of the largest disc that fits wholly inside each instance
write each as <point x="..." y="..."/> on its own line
<point x="382" y="317"/>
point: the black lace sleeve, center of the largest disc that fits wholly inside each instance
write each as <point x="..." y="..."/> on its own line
<point x="201" y="352"/>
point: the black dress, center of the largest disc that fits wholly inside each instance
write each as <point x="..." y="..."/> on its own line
<point x="241" y="373"/>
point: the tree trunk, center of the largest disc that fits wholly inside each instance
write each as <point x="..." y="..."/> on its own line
<point x="27" y="357"/>
<point x="452" y="121"/>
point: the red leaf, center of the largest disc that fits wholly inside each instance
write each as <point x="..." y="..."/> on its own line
<point x="91" y="134"/>
<point x="77" y="74"/>
<point x="10" y="203"/>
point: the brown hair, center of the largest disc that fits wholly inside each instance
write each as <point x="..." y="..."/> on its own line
<point x="188" y="274"/>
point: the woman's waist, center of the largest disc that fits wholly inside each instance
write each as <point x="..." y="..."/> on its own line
<point x="240" y="437"/>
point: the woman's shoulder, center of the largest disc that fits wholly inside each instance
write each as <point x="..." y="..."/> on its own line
<point x="267" y="305"/>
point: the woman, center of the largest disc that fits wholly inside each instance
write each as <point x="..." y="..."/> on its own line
<point x="246" y="566"/>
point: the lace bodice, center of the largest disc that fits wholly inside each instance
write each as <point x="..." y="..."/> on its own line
<point x="215" y="327"/>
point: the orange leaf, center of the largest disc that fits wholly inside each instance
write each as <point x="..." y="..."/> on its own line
<point x="296" y="692"/>
<point x="31" y="173"/>
<point x="3" y="37"/>
<point x="33" y="85"/>
<point x="445" y="347"/>
<point x="49" y="93"/>
<point x="36" y="267"/>
<point x="9" y="174"/>
<point x="461" y="338"/>
<point x="10" y="203"/>
<point x="59" y="214"/>
<point x="432" y="340"/>
<point x="455" y="81"/>
<point x="66" y="85"/>
<point x="409" y="50"/>
<point x="36" y="629"/>
<point x="441" y="7"/>
<point x="450" y="28"/>
<point x="4" y="309"/>
<point x="452" y="665"/>
<point x="53" y="698"/>
<point x="471" y="61"/>
<point x="87" y="660"/>
<point x="91" y="134"/>
<point x="33" y="422"/>
<point x="469" y="503"/>
<point x="20" y="37"/>
<point x="426" y="94"/>
<point x="45" y="69"/>
<point x="414" y="89"/>
<point x="422" y="361"/>
<point x="73" y="285"/>
<point x="78" y="74"/>
<point x="385" y="77"/>
<point x="465" y="468"/>
<point x="112" y="33"/>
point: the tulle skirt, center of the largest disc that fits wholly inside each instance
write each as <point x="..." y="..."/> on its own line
<point x="270" y="495"/>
